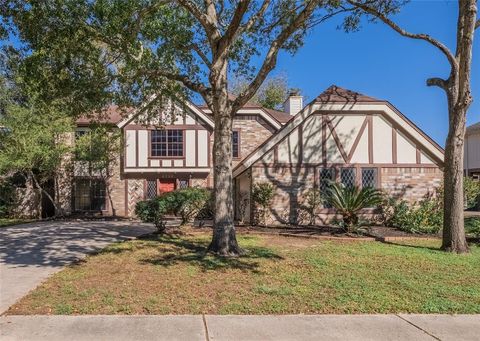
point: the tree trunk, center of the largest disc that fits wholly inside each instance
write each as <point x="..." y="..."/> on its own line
<point x="453" y="221"/>
<point x="224" y="241"/>
<point x="459" y="100"/>
<point x="44" y="192"/>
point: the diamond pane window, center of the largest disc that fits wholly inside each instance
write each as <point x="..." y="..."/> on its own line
<point x="348" y="177"/>
<point x="167" y="143"/>
<point x="151" y="189"/>
<point x="326" y="176"/>
<point x="182" y="183"/>
<point x="369" y="177"/>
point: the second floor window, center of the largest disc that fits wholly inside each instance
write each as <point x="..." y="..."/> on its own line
<point x="167" y="143"/>
<point x="236" y="144"/>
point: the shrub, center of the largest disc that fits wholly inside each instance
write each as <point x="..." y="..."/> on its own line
<point x="425" y="216"/>
<point x="471" y="192"/>
<point x="153" y="211"/>
<point x="313" y="201"/>
<point x="348" y="201"/>
<point x="262" y="195"/>
<point x="472" y="226"/>
<point x="189" y="202"/>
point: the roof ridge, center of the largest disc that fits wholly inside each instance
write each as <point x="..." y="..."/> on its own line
<point x="337" y="94"/>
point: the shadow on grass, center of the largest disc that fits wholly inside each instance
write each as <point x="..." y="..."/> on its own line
<point x="420" y="247"/>
<point x="194" y="252"/>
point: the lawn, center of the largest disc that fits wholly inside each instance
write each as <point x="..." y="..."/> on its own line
<point x="8" y="221"/>
<point x="280" y="275"/>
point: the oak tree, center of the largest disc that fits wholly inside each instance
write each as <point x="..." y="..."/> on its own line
<point x="457" y="89"/>
<point x="143" y="53"/>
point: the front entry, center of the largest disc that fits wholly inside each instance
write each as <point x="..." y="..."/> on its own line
<point x="166" y="185"/>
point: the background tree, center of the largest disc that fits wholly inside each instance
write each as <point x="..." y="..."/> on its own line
<point x="271" y="94"/>
<point x="144" y="53"/>
<point x="34" y="145"/>
<point x="99" y="149"/>
<point x="459" y="98"/>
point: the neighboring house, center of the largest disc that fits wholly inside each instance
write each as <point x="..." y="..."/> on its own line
<point x="340" y="136"/>
<point x="471" y="158"/>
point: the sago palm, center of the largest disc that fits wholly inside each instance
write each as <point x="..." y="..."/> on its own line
<point x="349" y="200"/>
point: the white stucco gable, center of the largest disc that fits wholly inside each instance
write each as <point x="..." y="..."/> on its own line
<point x="359" y="130"/>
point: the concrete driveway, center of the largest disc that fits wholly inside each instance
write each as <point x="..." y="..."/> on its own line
<point x="29" y="253"/>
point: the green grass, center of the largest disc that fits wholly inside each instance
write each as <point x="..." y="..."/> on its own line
<point x="172" y="275"/>
<point x="9" y="221"/>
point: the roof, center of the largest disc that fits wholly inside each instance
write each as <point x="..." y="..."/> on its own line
<point x="473" y="127"/>
<point x="112" y="114"/>
<point x="336" y="94"/>
<point x="280" y="116"/>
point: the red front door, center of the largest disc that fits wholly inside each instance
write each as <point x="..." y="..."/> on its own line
<point x="167" y="185"/>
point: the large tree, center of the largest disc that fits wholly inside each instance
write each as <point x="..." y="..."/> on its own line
<point x="144" y="51"/>
<point x="459" y="98"/>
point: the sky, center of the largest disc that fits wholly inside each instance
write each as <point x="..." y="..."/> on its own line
<point x="378" y="62"/>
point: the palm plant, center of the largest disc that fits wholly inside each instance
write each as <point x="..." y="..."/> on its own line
<point x="349" y="200"/>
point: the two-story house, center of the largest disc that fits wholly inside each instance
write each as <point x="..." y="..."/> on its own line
<point x="341" y="136"/>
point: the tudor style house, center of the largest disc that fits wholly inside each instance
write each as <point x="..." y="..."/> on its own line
<point x="340" y="136"/>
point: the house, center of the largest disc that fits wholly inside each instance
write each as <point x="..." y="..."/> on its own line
<point x="341" y="135"/>
<point x="471" y="160"/>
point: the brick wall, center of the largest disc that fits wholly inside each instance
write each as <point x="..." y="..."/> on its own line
<point x="291" y="183"/>
<point x="410" y="183"/>
<point x="253" y="132"/>
<point x="117" y="191"/>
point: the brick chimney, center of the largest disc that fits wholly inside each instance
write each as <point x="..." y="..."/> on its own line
<point x="294" y="103"/>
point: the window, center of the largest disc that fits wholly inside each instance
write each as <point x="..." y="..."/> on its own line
<point x="167" y="143"/>
<point x="327" y="175"/>
<point x="369" y="177"/>
<point x="89" y="195"/>
<point x="348" y="177"/>
<point x="151" y="189"/>
<point x="182" y="183"/>
<point x="236" y="144"/>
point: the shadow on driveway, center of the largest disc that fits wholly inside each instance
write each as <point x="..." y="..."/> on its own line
<point x="31" y="252"/>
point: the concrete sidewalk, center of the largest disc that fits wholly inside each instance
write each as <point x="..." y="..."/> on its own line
<point x="251" y="328"/>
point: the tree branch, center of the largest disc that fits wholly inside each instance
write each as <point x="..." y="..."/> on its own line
<point x="271" y="56"/>
<point x="254" y="18"/>
<point x="441" y="83"/>
<point x="186" y="81"/>
<point x="398" y="29"/>
<point x="477" y="24"/>
<point x="207" y="22"/>
<point x="232" y="29"/>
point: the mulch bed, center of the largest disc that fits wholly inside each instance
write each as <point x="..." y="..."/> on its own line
<point x="370" y="233"/>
